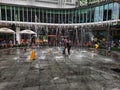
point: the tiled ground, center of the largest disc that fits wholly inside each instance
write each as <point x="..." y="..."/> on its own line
<point x="82" y="70"/>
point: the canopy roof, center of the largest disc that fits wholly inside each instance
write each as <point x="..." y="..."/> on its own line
<point x="27" y="31"/>
<point x="6" y="30"/>
<point x="110" y="22"/>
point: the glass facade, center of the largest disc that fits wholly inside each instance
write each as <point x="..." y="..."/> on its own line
<point x="110" y="11"/>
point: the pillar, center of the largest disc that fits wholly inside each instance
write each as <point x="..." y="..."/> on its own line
<point x="18" y="34"/>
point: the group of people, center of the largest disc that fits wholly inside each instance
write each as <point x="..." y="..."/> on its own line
<point x="66" y="45"/>
<point x="5" y="43"/>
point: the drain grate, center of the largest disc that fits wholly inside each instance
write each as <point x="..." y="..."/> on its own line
<point x="116" y="70"/>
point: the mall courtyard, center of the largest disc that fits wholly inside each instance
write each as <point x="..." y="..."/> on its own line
<point x="83" y="69"/>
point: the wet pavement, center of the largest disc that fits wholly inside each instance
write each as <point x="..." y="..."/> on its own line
<point x="82" y="70"/>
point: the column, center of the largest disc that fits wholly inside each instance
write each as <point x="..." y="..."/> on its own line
<point x="18" y="34"/>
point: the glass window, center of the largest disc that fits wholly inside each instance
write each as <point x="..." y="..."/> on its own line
<point x="66" y="16"/>
<point x="40" y="15"/>
<point x="51" y="15"/>
<point x="77" y="16"/>
<point x="0" y="12"/>
<point x="37" y="15"/>
<point x="84" y="16"/>
<point x="63" y="20"/>
<point x="47" y="12"/>
<point x="25" y="14"/>
<point x="96" y="16"/>
<point x="53" y="18"/>
<point x="21" y="14"/>
<point x="116" y="11"/>
<point x="44" y="15"/>
<point x="88" y="15"/>
<point x="13" y="13"/>
<point x="33" y="14"/>
<point x="101" y="13"/>
<point x="8" y="8"/>
<point x="92" y="14"/>
<point x="81" y="16"/>
<point x="17" y="13"/>
<point x="29" y="15"/>
<point x="6" y="13"/>
<point x="110" y="11"/>
<point x="119" y="11"/>
<point x="105" y="13"/>
<point x="70" y="16"/>
<point x="3" y="12"/>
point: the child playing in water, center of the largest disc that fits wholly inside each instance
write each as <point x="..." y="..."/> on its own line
<point x="63" y="50"/>
<point x="96" y="47"/>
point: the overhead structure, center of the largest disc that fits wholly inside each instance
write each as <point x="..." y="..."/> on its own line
<point x="62" y="25"/>
<point x="27" y="31"/>
<point x="30" y="33"/>
<point x="6" y="30"/>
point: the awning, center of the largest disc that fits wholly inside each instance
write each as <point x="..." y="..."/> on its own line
<point x="6" y="30"/>
<point x="27" y="31"/>
<point x="60" y="25"/>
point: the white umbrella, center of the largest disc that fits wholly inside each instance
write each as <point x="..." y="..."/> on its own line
<point x="27" y="31"/>
<point x="6" y="30"/>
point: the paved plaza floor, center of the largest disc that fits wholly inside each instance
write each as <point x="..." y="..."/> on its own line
<point x="82" y="70"/>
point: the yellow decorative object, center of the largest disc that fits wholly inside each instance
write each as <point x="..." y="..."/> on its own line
<point x="96" y="46"/>
<point x="103" y="39"/>
<point x="33" y="55"/>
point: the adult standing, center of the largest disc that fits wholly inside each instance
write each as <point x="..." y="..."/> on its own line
<point x="68" y="46"/>
<point x="65" y="41"/>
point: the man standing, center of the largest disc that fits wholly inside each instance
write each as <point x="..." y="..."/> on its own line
<point x="65" y="41"/>
<point x="68" y="46"/>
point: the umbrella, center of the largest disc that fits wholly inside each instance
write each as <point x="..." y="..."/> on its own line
<point x="6" y="30"/>
<point x="27" y="32"/>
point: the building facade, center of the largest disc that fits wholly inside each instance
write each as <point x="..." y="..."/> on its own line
<point x="87" y="14"/>
<point x="32" y="14"/>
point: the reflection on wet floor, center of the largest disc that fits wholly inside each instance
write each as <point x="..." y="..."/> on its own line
<point x="82" y="70"/>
